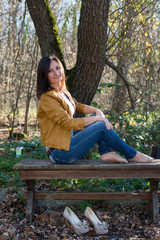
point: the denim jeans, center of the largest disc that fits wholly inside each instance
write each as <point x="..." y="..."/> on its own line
<point x="83" y="140"/>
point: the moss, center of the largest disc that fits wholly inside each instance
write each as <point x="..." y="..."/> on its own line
<point x="56" y="46"/>
<point x="70" y="74"/>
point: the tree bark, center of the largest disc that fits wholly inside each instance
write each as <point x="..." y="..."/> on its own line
<point x="92" y="37"/>
<point x="30" y="88"/>
<point x="120" y="96"/>
<point x="84" y="78"/>
<point x="120" y="92"/>
<point x="46" y="28"/>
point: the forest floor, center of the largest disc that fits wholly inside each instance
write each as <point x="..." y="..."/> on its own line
<point x="126" y="221"/>
<point x="4" y="130"/>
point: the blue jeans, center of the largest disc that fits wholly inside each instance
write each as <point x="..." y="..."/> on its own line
<point x="83" y="140"/>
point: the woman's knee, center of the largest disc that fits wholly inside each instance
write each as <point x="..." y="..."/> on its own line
<point x="101" y="125"/>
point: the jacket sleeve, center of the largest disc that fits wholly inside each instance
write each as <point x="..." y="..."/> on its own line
<point x="55" y="111"/>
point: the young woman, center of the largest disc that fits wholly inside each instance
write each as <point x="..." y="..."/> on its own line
<point x="67" y="138"/>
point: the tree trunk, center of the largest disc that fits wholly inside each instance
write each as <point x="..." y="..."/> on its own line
<point x="46" y="28"/>
<point x="92" y="34"/>
<point x="31" y="80"/>
<point x="120" y="96"/>
<point x="120" y="92"/>
<point x="84" y="78"/>
<point x="15" y="108"/>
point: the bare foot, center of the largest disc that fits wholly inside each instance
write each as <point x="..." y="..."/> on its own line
<point x="113" y="157"/>
<point x="140" y="157"/>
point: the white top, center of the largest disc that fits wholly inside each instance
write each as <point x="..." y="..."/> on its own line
<point x="72" y="108"/>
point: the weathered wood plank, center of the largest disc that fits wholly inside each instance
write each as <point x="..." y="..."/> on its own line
<point x="45" y="164"/>
<point x="32" y="204"/>
<point x="155" y="201"/>
<point x="92" y="195"/>
<point x="61" y="174"/>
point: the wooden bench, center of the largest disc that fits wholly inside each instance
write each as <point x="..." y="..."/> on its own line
<point x="30" y="170"/>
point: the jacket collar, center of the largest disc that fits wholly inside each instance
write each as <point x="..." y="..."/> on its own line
<point x="66" y="93"/>
<point x="57" y="95"/>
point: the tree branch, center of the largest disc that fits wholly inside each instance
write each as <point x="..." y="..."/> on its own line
<point x="118" y="71"/>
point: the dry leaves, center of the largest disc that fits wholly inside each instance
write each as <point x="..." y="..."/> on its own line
<point x="125" y="222"/>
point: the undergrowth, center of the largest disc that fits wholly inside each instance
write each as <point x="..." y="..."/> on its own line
<point x="132" y="127"/>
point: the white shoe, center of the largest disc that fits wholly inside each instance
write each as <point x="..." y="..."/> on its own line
<point x="100" y="227"/>
<point x="78" y="226"/>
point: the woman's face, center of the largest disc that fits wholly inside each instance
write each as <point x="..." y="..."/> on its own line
<point x="55" y="75"/>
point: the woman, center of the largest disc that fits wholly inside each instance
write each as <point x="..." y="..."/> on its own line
<point x="66" y="138"/>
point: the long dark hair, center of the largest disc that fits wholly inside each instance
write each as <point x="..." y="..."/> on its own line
<point x="42" y="75"/>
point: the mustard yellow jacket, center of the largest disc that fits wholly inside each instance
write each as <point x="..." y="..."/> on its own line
<point x="56" y="121"/>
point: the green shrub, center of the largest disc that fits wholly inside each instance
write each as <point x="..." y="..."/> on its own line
<point x="135" y="128"/>
<point x="31" y="148"/>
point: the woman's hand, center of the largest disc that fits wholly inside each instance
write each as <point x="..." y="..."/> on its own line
<point x="92" y="110"/>
<point x="99" y="117"/>
<point x="108" y="124"/>
<point x="103" y="119"/>
<point x="91" y="119"/>
<point x="100" y="114"/>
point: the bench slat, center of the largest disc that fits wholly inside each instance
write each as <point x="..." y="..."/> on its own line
<point x="88" y="174"/>
<point x="92" y="196"/>
<point x="46" y="164"/>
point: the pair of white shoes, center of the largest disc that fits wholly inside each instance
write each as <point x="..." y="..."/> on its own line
<point x="83" y="227"/>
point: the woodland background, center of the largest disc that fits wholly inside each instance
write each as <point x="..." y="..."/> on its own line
<point x="110" y="51"/>
<point x="128" y="90"/>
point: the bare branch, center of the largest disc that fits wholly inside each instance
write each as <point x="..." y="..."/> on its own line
<point x="118" y="71"/>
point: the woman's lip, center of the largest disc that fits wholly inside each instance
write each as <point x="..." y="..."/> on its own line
<point x="58" y="76"/>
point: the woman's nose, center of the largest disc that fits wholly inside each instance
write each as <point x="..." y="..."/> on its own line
<point x="56" y="72"/>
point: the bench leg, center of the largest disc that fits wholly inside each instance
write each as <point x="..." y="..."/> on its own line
<point x="32" y="204"/>
<point x="154" y="201"/>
